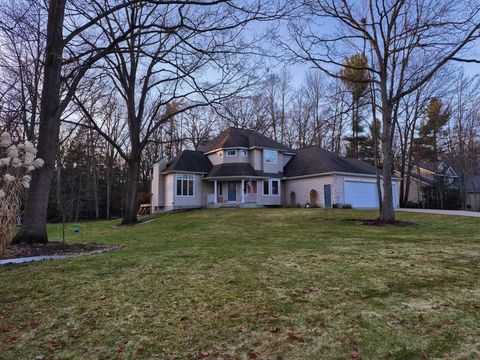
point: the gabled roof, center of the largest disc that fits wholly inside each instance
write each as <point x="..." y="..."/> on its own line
<point x="315" y="160"/>
<point x="190" y="161"/>
<point x="239" y="170"/>
<point x="436" y="167"/>
<point x="242" y="138"/>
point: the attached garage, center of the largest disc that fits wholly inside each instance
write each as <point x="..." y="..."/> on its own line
<point x="363" y="193"/>
<point x="336" y="180"/>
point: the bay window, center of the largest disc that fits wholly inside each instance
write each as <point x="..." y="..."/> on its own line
<point x="184" y="185"/>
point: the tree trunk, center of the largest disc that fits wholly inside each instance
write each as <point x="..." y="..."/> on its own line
<point x="387" y="213"/>
<point x="34" y="221"/>
<point x="131" y="206"/>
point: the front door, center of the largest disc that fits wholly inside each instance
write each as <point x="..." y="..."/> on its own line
<point x="232" y="191"/>
<point x="327" y="194"/>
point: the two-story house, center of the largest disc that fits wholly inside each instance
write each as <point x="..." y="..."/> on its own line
<point x="431" y="184"/>
<point x="242" y="168"/>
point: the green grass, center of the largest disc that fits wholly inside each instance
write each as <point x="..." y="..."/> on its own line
<point x="240" y="284"/>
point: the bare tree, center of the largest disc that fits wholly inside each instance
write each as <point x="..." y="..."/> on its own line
<point x="410" y="42"/>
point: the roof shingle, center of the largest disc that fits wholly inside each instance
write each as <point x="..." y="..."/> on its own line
<point x="190" y="161"/>
<point x="315" y="160"/>
<point x="242" y="138"/>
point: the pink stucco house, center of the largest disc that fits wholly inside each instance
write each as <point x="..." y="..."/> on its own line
<point x="242" y="168"/>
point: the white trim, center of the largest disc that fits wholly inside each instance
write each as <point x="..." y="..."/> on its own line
<point x="240" y="177"/>
<point x="394" y="178"/>
<point x="250" y="148"/>
<point x="182" y="172"/>
<point x="270" y="187"/>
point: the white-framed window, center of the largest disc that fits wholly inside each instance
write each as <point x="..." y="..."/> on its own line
<point x="271" y="187"/>
<point x="219" y="189"/>
<point x="270" y="156"/>
<point x="266" y="187"/>
<point x="231" y="152"/>
<point x="243" y="153"/>
<point x="220" y="153"/>
<point x="184" y="185"/>
<point x="275" y="187"/>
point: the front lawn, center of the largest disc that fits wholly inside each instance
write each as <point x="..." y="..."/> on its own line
<point x="252" y="284"/>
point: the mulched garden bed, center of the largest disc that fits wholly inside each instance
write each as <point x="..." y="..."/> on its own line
<point x="55" y="248"/>
<point x="378" y="222"/>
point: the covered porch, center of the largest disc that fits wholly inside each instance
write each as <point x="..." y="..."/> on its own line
<point x="239" y="192"/>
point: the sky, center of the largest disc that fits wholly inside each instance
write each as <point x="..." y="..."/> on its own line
<point x="300" y="70"/>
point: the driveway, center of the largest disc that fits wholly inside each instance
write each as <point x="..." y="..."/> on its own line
<point x="443" y="212"/>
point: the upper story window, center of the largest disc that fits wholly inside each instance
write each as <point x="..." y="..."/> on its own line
<point x="243" y="153"/>
<point x="185" y="185"/>
<point x="231" y="152"/>
<point x="270" y="156"/>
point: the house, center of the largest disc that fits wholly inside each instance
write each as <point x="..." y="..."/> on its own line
<point x="432" y="184"/>
<point x="242" y="168"/>
<point x="472" y="189"/>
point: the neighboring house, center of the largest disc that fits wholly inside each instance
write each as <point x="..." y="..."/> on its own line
<point x="429" y="181"/>
<point x="242" y="168"/>
<point x="472" y="189"/>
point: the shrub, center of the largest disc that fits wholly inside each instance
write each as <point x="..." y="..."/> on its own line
<point x="16" y="163"/>
<point x="346" y="206"/>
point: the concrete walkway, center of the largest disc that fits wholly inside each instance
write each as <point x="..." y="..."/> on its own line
<point x="443" y="212"/>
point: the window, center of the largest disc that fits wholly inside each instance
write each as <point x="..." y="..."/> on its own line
<point x="243" y="153"/>
<point x="219" y="189"/>
<point x="231" y="152"/>
<point x="184" y="185"/>
<point x="274" y="187"/>
<point x="266" y="187"/>
<point x="270" y="156"/>
<point x="271" y="187"/>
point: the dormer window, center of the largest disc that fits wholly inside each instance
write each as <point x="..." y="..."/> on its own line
<point x="231" y="152"/>
<point x="243" y="153"/>
<point x="270" y="156"/>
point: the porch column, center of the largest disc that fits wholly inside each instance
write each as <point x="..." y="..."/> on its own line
<point x="243" y="192"/>
<point x="215" y="192"/>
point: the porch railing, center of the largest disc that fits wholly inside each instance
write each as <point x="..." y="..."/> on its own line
<point x="250" y="198"/>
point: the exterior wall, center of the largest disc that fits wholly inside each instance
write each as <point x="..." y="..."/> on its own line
<point x="157" y="186"/>
<point x="473" y="201"/>
<point x="189" y="201"/>
<point x="256" y="159"/>
<point x="169" y="189"/>
<point x="273" y="168"/>
<point x="415" y="191"/>
<point x="269" y="200"/>
<point x="302" y="188"/>
<point x="215" y="159"/>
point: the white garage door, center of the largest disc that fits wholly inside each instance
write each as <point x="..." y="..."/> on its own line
<point x="361" y="194"/>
